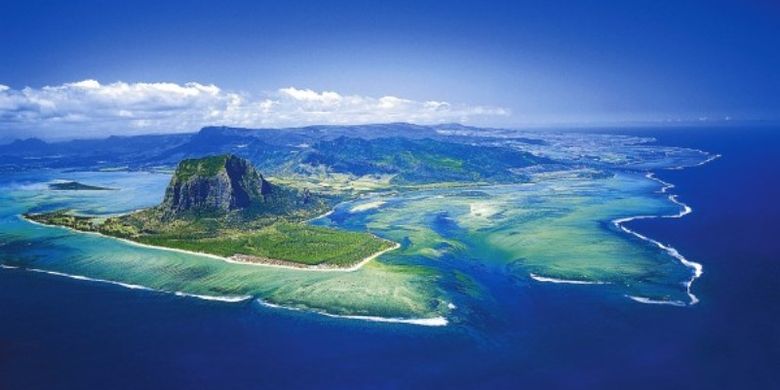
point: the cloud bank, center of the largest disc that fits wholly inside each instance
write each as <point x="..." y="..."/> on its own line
<point x="89" y="108"/>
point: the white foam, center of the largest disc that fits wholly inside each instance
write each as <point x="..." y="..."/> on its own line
<point x="697" y="268"/>
<point x="434" y="321"/>
<point x="705" y="161"/>
<point x="229" y="299"/>
<point x="327" y="213"/>
<point x="482" y="209"/>
<point x="275" y="306"/>
<point x="367" y="206"/>
<point x="4" y="266"/>
<point x="545" y="279"/>
<point x="651" y="301"/>
<point x="711" y="158"/>
<point x="88" y="279"/>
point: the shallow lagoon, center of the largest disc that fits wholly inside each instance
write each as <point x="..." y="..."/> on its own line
<point x="454" y="241"/>
<point x="56" y="330"/>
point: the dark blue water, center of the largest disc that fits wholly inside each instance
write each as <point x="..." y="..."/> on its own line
<point x="57" y="332"/>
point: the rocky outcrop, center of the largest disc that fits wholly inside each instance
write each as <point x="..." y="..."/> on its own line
<point x="215" y="184"/>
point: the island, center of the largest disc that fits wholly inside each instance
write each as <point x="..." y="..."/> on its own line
<point x="462" y="201"/>
<point x="76" y="186"/>
<point x="222" y="206"/>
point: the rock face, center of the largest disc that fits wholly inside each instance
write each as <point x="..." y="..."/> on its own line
<point x="215" y="184"/>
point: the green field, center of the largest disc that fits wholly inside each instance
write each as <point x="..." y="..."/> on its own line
<point x="280" y="241"/>
<point x="293" y="242"/>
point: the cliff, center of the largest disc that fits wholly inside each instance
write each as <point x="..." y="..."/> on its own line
<point x="215" y="184"/>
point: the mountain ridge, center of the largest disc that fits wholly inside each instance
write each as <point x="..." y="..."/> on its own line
<point x="219" y="183"/>
<point x="224" y="184"/>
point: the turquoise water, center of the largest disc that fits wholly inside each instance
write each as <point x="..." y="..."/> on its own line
<point x="507" y="330"/>
<point x="556" y="228"/>
<point x="63" y="251"/>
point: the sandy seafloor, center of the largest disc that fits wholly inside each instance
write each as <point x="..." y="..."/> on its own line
<point x="503" y="327"/>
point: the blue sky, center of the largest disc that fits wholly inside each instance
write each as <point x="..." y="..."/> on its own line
<point x="97" y="66"/>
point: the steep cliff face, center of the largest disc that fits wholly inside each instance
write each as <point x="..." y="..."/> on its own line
<point x="216" y="184"/>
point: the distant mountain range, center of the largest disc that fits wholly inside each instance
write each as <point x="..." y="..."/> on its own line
<point x="413" y="153"/>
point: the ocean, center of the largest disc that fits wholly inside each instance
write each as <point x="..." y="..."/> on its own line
<point x="66" y="333"/>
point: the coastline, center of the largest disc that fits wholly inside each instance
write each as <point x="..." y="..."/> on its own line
<point x="696" y="268"/>
<point x="432" y="321"/>
<point x="237" y="259"/>
<point x="323" y="215"/>
<point x="232" y="259"/>
<point x="226" y="299"/>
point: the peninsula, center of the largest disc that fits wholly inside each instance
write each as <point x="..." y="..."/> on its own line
<point x="222" y="206"/>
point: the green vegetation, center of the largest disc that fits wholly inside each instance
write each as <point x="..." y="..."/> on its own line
<point x="76" y="186"/>
<point x="279" y="242"/>
<point x="237" y="214"/>
<point x="62" y="218"/>
<point x="207" y="166"/>
<point x="419" y="160"/>
<point x="289" y="242"/>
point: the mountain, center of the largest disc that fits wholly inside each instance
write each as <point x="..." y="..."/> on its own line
<point x="217" y="183"/>
<point x="419" y="160"/>
<point x="226" y="183"/>
<point x="412" y="154"/>
<point x="110" y="152"/>
<point x="31" y="145"/>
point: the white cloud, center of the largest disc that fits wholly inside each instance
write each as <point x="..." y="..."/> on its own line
<point x="307" y="95"/>
<point x="89" y="107"/>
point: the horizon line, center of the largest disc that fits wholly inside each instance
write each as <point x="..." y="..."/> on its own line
<point x="563" y="126"/>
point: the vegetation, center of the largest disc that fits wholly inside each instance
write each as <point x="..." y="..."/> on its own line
<point x="278" y="242"/>
<point x="419" y="160"/>
<point x="76" y="186"/>
<point x="266" y="226"/>
<point x="206" y="166"/>
<point x="290" y="242"/>
<point x="62" y="218"/>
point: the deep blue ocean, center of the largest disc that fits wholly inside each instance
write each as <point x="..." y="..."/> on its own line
<point x="62" y="333"/>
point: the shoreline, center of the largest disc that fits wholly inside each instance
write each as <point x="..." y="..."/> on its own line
<point x="697" y="268"/>
<point x="323" y="215"/>
<point x="282" y="263"/>
<point x="131" y="286"/>
<point x="433" y="321"/>
<point x="236" y="259"/>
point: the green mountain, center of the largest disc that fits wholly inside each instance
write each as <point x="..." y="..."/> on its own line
<point x="419" y="160"/>
<point x="216" y="183"/>
<point x="225" y="184"/>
